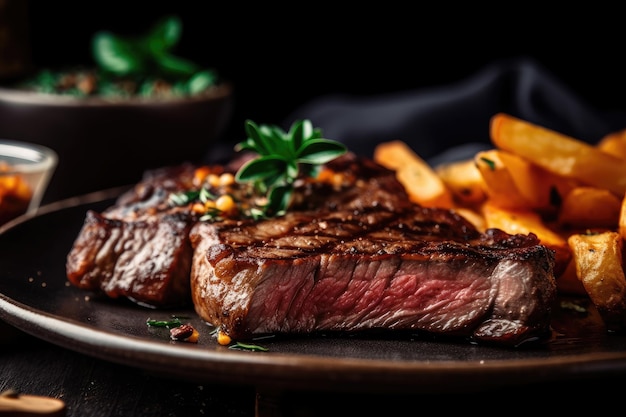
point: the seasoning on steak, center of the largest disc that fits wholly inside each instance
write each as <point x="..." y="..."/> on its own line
<point x="362" y="258"/>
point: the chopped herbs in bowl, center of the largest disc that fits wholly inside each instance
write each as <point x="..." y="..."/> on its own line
<point x="126" y="67"/>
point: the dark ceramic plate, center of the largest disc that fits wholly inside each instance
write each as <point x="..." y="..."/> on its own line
<point x="36" y="298"/>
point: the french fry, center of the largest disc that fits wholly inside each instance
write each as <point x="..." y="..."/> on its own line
<point x="541" y="188"/>
<point x="464" y="180"/>
<point x="614" y="144"/>
<point x="598" y="260"/>
<point x="559" y="153"/>
<point x="514" y="221"/>
<point x="590" y="207"/>
<point x="500" y="185"/>
<point x="422" y="183"/>
<point x="621" y="228"/>
<point x="513" y="181"/>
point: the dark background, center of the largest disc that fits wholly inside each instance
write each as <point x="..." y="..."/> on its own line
<point x="280" y="57"/>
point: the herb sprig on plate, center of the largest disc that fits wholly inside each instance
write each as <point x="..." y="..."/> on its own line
<point x="282" y="158"/>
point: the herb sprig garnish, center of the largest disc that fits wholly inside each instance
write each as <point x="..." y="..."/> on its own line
<point x="268" y="180"/>
<point x="282" y="158"/>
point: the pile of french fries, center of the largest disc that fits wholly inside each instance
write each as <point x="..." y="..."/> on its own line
<point x="569" y="193"/>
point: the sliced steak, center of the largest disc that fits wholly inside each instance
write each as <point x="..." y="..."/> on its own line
<point x="148" y="262"/>
<point x="363" y="258"/>
<point x="139" y="248"/>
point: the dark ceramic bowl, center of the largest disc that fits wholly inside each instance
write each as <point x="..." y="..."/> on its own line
<point x="103" y="144"/>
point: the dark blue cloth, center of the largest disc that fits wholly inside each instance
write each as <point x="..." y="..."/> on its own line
<point x="452" y="122"/>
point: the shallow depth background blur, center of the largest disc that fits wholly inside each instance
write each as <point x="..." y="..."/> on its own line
<point x="280" y="58"/>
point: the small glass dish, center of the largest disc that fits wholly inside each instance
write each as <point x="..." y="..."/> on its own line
<point x="25" y="171"/>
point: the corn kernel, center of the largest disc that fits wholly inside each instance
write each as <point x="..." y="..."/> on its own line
<point x="226" y="179"/>
<point x="225" y="203"/>
<point x="223" y="339"/>
<point x="213" y="180"/>
<point x="200" y="174"/>
<point x="194" y="337"/>
<point x="198" y="208"/>
<point x="325" y="175"/>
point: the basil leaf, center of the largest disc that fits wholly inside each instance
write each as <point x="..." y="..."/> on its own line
<point x="173" y="65"/>
<point x="201" y="81"/>
<point x="165" y="34"/>
<point x="116" y="55"/>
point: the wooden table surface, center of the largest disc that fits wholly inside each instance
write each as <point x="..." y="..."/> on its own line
<point x="92" y="387"/>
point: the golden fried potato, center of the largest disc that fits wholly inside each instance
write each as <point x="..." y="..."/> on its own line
<point x="499" y="183"/>
<point x="515" y="182"/>
<point x="559" y="153"/>
<point x="614" y="144"/>
<point x="621" y="228"/>
<point x="464" y="180"/>
<point x="598" y="260"/>
<point x="590" y="207"/>
<point x="422" y="183"/>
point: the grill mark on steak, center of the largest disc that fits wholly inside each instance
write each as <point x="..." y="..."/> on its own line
<point x="347" y="257"/>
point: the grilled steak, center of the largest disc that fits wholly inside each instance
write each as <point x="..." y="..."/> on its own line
<point x="361" y="258"/>
<point x="139" y="248"/>
<point x="353" y="253"/>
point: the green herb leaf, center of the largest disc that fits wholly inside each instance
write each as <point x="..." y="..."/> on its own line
<point x="265" y="168"/>
<point x="320" y="151"/>
<point x="282" y="158"/>
<point x="570" y="305"/>
<point x="174" y="322"/>
<point x="180" y="199"/>
<point x="201" y="81"/>
<point x="116" y="55"/>
<point x="491" y="164"/>
<point x="170" y="64"/>
<point x="165" y="34"/>
<point x="248" y="346"/>
<point x="278" y="200"/>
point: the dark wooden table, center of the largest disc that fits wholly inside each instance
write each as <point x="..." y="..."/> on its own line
<point x="92" y="387"/>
